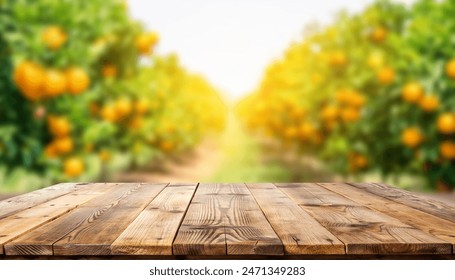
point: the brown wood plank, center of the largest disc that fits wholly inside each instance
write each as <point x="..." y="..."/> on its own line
<point x="247" y="230"/>
<point x="24" y="221"/>
<point x="428" y="223"/>
<point x="154" y="230"/>
<point x="202" y="229"/>
<point x="363" y="230"/>
<point x="401" y="196"/>
<point x="300" y="233"/>
<point x="22" y="202"/>
<point x="98" y="230"/>
<point x="225" y="219"/>
<point x="41" y="239"/>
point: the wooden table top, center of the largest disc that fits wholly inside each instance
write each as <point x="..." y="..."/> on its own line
<point x="207" y="219"/>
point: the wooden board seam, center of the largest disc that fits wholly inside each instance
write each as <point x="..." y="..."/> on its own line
<point x="74" y="189"/>
<point x="443" y="243"/>
<point x="37" y="226"/>
<point x="409" y="194"/>
<point x="53" y="252"/>
<point x="262" y="211"/>
<point x="183" y="217"/>
<point x="399" y="202"/>
<point x="271" y="225"/>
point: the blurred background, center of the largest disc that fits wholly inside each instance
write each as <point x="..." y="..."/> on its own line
<point x="240" y="91"/>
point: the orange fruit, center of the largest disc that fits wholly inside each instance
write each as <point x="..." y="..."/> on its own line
<point x="350" y="97"/>
<point x="108" y="113"/>
<point x="78" y="80"/>
<point x="290" y="132"/>
<point x="64" y="145"/>
<point x="297" y="112"/>
<point x="412" y="92"/>
<point x="450" y="69"/>
<point x="109" y="71"/>
<point x="447" y="149"/>
<point x="50" y="151"/>
<point x="446" y="123"/>
<point x="53" y="37"/>
<point x="429" y="103"/>
<point x="29" y="78"/>
<point x="342" y="96"/>
<point x="59" y="126"/>
<point x="145" y="42"/>
<point x="412" y="137"/>
<point x="386" y="76"/>
<point x="307" y="130"/>
<point x="329" y="113"/>
<point x="350" y="114"/>
<point x="73" y="167"/>
<point x="357" y="100"/>
<point x="166" y="146"/>
<point x="379" y="34"/>
<point x="375" y="60"/>
<point x="338" y="58"/>
<point x="123" y="107"/>
<point x="54" y="83"/>
<point x="136" y="123"/>
<point x="357" y="161"/>
<point x="142" y="106"/>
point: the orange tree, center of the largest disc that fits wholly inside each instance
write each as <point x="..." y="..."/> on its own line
<point x="367" y="93"/>
<point x="74" y="95"/>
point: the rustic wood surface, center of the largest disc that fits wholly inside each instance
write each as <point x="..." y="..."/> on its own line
<point x="215" y="220"/>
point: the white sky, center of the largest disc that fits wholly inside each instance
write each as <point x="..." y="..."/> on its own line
<point x="231" y="42"/>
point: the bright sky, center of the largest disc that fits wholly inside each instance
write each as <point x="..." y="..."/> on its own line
<point x="231" y="42"/>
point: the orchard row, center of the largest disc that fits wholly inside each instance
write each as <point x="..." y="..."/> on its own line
<point x="374" y="91"/>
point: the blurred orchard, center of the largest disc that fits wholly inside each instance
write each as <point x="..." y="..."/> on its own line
<point x="372" y="92"/>
<point x="82" y="95"/>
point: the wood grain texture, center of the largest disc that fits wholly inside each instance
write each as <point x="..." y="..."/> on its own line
<point x="428" y="223"/>
<point x="300" y="233"/>
<point x="102" y="223"/>
<point x="154" y="230"/>
<point x="190" y="220"/>
<point x="41" y="239"/>
<point x="363" y="230"/>
<point x="202" y="230"/>
<point x="22" y="202"/>
<point x="24" y="221"/>
<point x="407" y="198"/>
<point x="224" y="219"/>
<point x="247" y="230"/>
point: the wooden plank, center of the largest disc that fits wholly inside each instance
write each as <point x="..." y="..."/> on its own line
<point x="24" y="221"/>
<point x="225" y="219"/>
<point x="247" y="230"/>
<point x="407" y="198"/>
<point x="363" y="230"/>
<point x="300" y="233"/>
<point x="22" y="202"/>
<point x="40" y="240"/>
<point x="428" y="223"/>
<point x="99" y="226"/>
<point x="202" y="230"/>
<point x="154" y="230"/>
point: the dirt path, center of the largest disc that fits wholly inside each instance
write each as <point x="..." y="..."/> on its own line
<point x="197" y="166"/>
